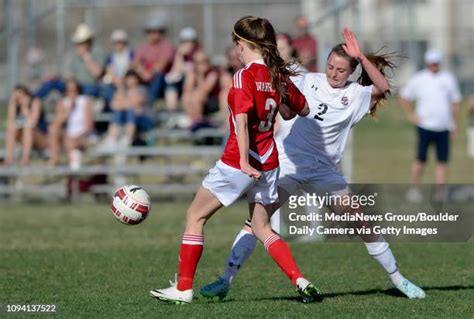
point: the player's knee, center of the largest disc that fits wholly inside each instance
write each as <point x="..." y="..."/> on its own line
<point x="260" y="231"/>
<point x="195" y="217"/>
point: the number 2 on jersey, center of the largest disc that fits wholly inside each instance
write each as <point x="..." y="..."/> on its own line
<point x="270" y="104"/>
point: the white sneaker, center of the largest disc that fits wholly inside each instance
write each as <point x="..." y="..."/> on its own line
<point x="172" y="294"/>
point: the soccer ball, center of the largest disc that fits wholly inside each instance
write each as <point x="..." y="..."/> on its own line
<point x="131" y="204"/>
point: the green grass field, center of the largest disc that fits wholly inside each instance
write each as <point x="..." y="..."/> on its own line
<point x="91" y="266"/>
<point x="80" y="258"/>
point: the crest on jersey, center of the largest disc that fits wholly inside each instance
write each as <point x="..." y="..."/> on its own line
<point x="345" y="100"/>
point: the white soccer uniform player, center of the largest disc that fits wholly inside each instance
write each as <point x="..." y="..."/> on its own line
<point x="310" y="149"/>
<point x="310" y="154"/>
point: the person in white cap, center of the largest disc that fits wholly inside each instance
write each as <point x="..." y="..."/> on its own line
<point x="86" y="65"/>
<point x="117" y="63"/>
<point x="153" y="58"/>
<point x="183" y="63"/>
<point x="437" y="98"/>
<point x="120" y="59"/>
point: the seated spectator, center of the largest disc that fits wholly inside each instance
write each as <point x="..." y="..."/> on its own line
<point x="117" y="63"/>
<point x="26" y="124"/>
<point x="73" y="124"/>
<point x="201" y="91"/>
<point x="153" y="59"/>
<point x="182" y="64"/>
<point x="288" y="54"/>
<point x="127" y="103"/>
<point x="86" y="65"/>
<point x="225" y="79"/>
<point x="305" y="44"/>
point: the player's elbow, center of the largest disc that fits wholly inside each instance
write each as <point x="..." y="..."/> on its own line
<point x="304" y="111"/>
<point x="286" y="113"/>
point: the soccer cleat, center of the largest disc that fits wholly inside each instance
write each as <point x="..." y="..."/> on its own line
<point x="219" y="288"/>
<point x="173" y="295"/>
<point x="308" y="291"/>
<point x="411" y="290"/>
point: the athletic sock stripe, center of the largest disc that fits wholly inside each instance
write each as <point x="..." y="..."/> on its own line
<point x="391" y="273"/>
<point x="193" y="237"/>
<point x="270" y="240"/>
<point x="192" y="242"/>
<point x="190" y="239"/>
<point x="248" y="222"/>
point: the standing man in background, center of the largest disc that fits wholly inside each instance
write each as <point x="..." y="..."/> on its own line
<point x="470" y="128"/>
<point x="305" y="44"/>
<point x="437" y="98"/>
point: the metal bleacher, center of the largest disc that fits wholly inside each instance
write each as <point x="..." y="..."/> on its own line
<point x="174" y="165"/>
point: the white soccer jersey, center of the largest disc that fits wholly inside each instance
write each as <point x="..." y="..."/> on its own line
<point x="308" y="141"/>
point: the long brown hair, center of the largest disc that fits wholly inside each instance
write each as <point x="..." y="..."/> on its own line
<point x="381" y="61"/>
<point x="259" y="34"/>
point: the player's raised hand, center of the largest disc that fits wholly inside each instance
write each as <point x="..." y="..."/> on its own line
<point x="351" y="46"/>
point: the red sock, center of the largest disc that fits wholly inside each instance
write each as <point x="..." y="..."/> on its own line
<point x="189" y="254"/>
<point x="281" y="254"/>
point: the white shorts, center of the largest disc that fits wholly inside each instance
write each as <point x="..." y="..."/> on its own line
<point x="312" y="178"/>
<point x="228" y="184"/>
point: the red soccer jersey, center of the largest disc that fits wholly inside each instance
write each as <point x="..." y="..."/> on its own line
<point x="252" y="93"/>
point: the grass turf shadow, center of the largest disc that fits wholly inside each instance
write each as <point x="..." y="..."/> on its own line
<point x="390" y="292"/>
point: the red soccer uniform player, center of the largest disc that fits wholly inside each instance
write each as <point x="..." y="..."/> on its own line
<point x="252" y="93"/>
<point x="249" y="164"/>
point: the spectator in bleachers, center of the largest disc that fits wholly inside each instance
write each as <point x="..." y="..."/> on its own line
<point x="285" y="47"/>
<point x="86" y="65"/>
<point x="153" y="59"/>
<point x="117" y="63"/>
<point x="182" y="64"/>
<point x="72" y="124"/>
<point x="126" y="105"/>
<point x="305" y="44"/>
<point x="26" y="125"/>
<point x="232" y="65"/>
<point x="288" y="53"/>
<point x="201" y="91"/>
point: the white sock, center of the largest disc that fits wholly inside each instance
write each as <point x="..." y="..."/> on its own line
<point x="244" y="245"/>
<point x="383" y="254"/>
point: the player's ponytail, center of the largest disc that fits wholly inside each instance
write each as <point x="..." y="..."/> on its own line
<point x="259" y="34"/>
<point x="381" y="61"/>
